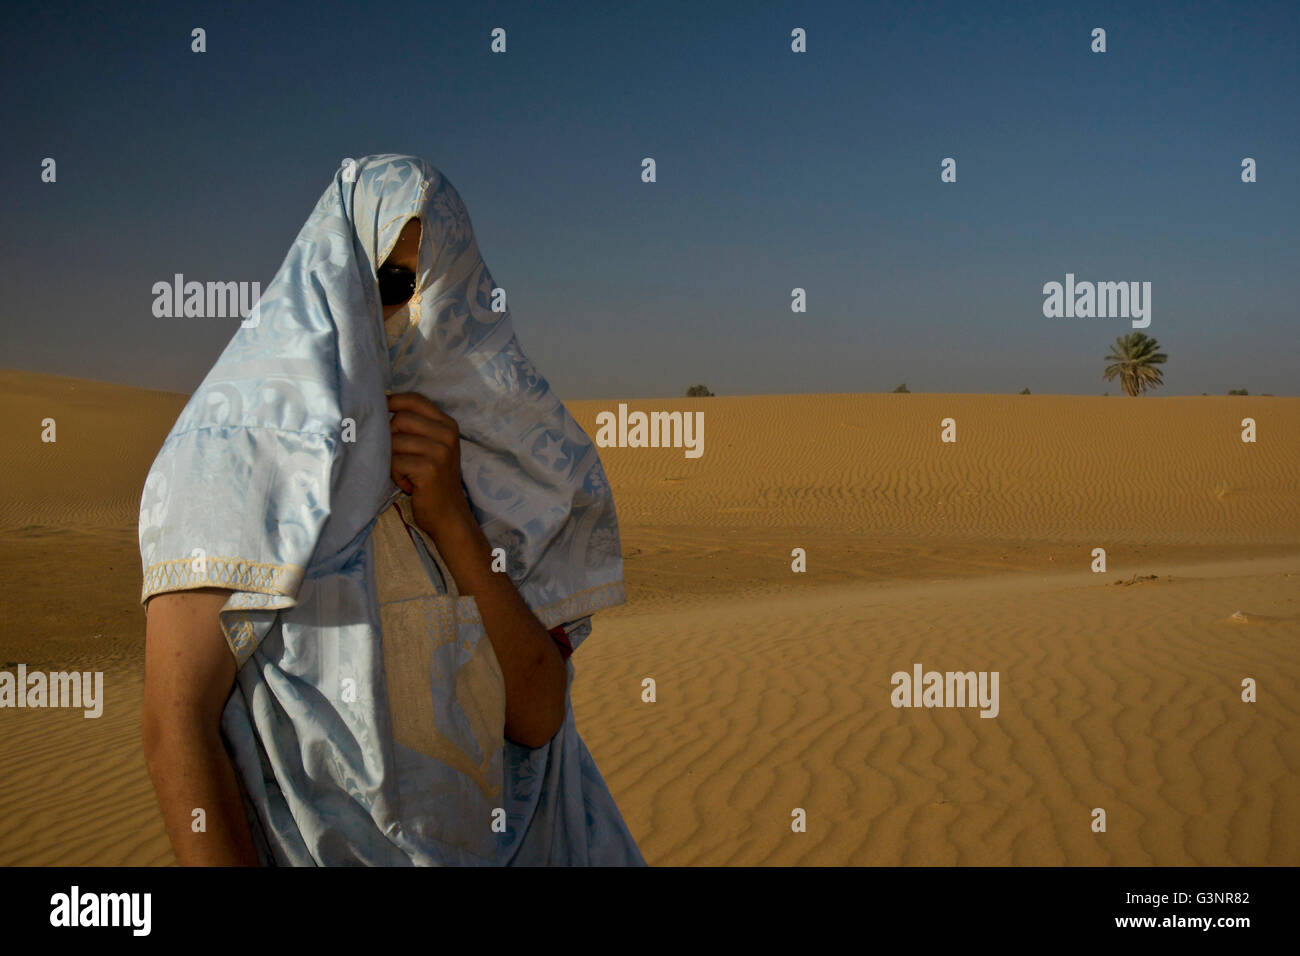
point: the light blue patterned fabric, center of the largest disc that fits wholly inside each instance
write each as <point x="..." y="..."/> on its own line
<point x="270" y="484"/>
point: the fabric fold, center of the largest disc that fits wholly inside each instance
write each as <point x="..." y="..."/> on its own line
<point x="275" y="483"/>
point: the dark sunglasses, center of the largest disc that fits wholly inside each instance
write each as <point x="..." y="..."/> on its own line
<point x="396" y="284"/>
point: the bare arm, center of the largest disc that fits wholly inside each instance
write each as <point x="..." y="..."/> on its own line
<point x="189" y="671"/>
<point x="535" y="676"/>
<point x="426" y="465"/>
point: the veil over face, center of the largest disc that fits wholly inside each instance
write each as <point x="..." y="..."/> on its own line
<point x="281" y="458"/>
<point x="272" y="483"/>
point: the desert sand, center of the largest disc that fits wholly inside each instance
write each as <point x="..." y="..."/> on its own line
<point x="1118" y="690"/>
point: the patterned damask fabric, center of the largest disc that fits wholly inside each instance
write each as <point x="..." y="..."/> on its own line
<point x="271" y="483"/>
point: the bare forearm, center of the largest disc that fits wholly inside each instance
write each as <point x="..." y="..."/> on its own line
<point x="532" y="666"/>
<point x="426" y="465"/>
<point x="193" y="771"/>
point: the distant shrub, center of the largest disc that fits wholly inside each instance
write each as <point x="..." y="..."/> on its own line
<point x="699" y="391"/>
<point x="1238" y="391"/>
<point x="1025" y="390"/>
<point x="903" y="390"/>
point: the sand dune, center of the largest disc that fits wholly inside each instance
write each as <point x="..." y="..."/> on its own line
<point x="91" y="476"/>
<point x="863" y="483"/>
<point x="774" y="687"/>
<point x="1124" y="698"/>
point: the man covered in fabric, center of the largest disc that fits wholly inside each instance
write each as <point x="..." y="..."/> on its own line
<point x="275" y="483"/>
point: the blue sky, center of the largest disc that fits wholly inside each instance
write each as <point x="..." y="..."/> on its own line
<point x="775" y="170"/>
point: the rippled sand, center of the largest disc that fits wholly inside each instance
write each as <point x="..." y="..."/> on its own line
<point x="1119" y="690"/>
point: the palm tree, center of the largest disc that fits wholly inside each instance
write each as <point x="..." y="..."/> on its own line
<point x="1134" y="358"/>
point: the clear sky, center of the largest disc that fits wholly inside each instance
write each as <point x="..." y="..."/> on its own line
<point x="775" y="170"/>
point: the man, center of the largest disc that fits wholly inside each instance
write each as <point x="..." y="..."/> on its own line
<point x="348" y="658"/>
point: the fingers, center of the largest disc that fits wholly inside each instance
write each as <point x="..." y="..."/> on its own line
<point x="435" y="448"/>
<point x="425" y="445"/>
<point x="414" y="472"/>
<point x="401" y="480"/>
<point x="417" y="406"/>
<point x="414" y="423"/>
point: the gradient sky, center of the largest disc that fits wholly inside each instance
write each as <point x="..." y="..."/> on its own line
<point x="775" y="170"/>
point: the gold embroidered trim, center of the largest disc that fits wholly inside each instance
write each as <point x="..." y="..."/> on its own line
<point x="241" y="639"/>
<point x="583" y="603"/>
<point x="237" y="574"/>
<point x="388" y="250"/>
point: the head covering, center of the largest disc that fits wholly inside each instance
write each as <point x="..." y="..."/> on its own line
<point x="275" y="483"/>
<point x="297" y="400"/>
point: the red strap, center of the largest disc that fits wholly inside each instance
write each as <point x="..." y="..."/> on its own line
<point x="562" y="640"/>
